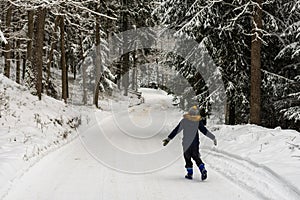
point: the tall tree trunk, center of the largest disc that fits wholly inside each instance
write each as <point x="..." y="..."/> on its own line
<point x="255" y="99"/>
<point x="84" y="67"/>
<point x="157" y="74"/>
<point x="97" y="63"/>
<point x="67" y="68"/>
<point x="136" y="78"/>
<point x="50" y="56"/>
<point x="74" y="69"/>
<point x="119" y="71"/>
<point x="23" y="65"/>
<point x="7" y="46"/>
<point x="125" y="60"/>
<point x="30" y="15"/>
<point x="38" y="49"/>
<point x="230" y="112"/>
<point x="149" y="70"/>
<point x="133" y="84"/>
<point x="64" y="72"/>
<point x="125" y="71"/>
<point x="163" y="78"/>
<point x="18" y="63"/>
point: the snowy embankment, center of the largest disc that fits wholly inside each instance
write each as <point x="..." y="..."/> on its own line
<point x="265" y="161"/>
<point x="30" y="129"/>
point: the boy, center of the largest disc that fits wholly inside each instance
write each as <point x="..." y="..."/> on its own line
<point x="190" y="124"/>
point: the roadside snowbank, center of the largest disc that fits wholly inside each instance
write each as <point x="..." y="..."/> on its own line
<point x="271" y="158"/>
<point x="30" y="129"/>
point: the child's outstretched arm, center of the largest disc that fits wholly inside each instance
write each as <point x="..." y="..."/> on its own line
<point x="207" y="133"/>
<point x="175" y="131"/>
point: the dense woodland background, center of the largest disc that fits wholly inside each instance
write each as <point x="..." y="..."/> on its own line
<point x="255" y="44"/>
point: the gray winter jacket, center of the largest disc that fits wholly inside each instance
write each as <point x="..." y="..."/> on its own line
<point x="190" y="124"/>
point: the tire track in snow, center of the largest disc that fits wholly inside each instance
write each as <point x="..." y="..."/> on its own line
<point x="258" y="179"/>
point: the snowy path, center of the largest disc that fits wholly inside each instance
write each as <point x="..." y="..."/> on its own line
<point x="79" y="170"/>
<point x="71" y="173"/>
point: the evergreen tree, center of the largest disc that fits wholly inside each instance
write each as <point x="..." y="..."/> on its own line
<point x="225" y="28"/>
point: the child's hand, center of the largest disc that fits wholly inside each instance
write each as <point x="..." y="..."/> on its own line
<point x="166" y="141"/>
<point x="215" y="142"/>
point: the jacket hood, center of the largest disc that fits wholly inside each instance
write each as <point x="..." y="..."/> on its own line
<point x="194" y="118"/>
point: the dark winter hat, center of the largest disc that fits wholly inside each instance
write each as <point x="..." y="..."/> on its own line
<point x="194" y="111"/>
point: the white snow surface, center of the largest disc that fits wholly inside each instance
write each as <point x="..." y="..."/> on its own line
<point x="119" y="154"/>
<point x="29" y="129"/>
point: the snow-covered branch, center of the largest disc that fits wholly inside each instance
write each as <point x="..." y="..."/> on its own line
<point x="58" y="4"/>
<point x="278" y="76"/>
<point x="80" y="6"/>
<point x="3" y="39"/>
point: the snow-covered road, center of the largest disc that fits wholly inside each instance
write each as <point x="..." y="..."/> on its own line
<point x="71" y="173"/>
<point x="124" y="159"/>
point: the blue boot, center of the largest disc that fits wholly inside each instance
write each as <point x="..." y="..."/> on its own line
<point x="203" y="171"/>
<point x="189" y="173"/>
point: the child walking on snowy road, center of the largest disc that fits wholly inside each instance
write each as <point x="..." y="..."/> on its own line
<point x="190" y="124"/>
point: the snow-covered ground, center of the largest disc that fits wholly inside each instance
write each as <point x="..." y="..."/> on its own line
<point x="265" y="161"/>
<point x="30" y="129"/>
<point x="119" y="155"/>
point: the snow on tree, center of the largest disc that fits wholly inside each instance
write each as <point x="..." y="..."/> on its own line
<point x="77" y="16"/>
<point x="3" y="39"/>
<point x="225" y="28"/>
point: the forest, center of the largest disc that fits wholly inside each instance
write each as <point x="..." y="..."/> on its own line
<point x="50" y="45"/>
